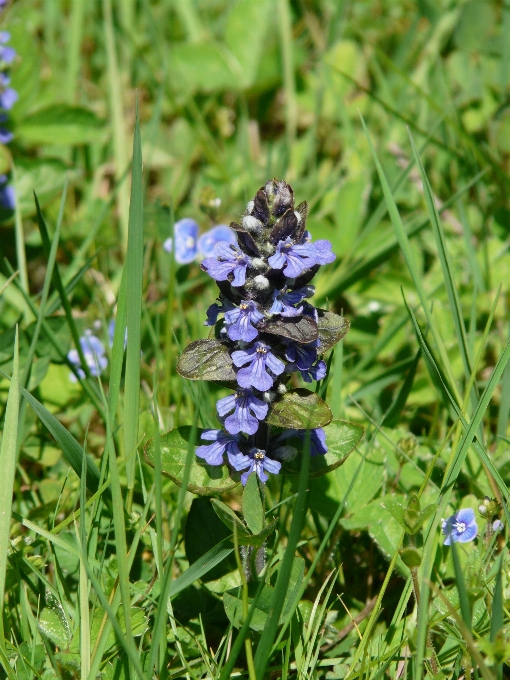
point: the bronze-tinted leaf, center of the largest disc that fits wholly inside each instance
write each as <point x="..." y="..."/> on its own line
<point x="299" y="409"/>
<point x="204" y="480"/>
<point x="206" y="360"/>
<point x="302" y="210"/>
<point x="305" y="278"/>
<point x="286" y="226"/>
<point x="260" y="206"/>
<point x="332" y="328"/>
<point x="300" y="329"/>
<point x="284" y="198"/>
<point x="245" y="239"/>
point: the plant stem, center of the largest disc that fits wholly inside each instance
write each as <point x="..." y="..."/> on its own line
<point x="416" y="587"/>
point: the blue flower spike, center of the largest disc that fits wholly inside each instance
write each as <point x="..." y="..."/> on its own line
<point x="264" y="330"/>
<point x="460" y="527"/>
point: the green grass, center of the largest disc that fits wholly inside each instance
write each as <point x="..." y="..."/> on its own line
<point x="392" y="121"/>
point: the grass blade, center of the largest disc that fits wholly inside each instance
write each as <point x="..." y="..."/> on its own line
<point x="8" y="454"/>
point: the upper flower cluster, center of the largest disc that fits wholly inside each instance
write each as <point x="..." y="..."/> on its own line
<point x="189" y="245"/>
<point x="268" y="326"/>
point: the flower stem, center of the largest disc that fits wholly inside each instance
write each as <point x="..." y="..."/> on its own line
<point x="247" y="641"/>
<point x="416" y="588"/>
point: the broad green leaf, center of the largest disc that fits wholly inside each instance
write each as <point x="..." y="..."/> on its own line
<point x="203" y="531"/>
<point x="299" y="409"/>
<point x="47" y="176"/>
<point x="70" y="447"/>
<point x="53" y="623"/>
<point x="61" y="124"/>
<point x="206" y="360"/>
<point x="332" y="328"/>
<point x="253" y="510"/>
<point x="204" y="480"/>
<point x="342" y="438"/>
<point x="302" y="329"/>
<point x="201" y="66"/>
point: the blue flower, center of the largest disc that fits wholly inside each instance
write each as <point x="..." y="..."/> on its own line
<point x="302" y="357"/>
<point x="7" y="194"/>
<point x="218" y="234"/>
<point x="94" y="354"/>
<point x="213" y="311"/>
<point x="240" y="321"/>
<point x="5" y="134"/>
<point x="315" y="372"/>
<point x="185" y="235"/>
<point x="248" y="410"/>
<point x="228" y="260"/>
<point x="461" y="527"/>
<point x="260" y="463"/>
<point x="284" y="301"/>
<point x="323" y="252"/>
<point x="8" y="96"/>
<point x="293" y="258"/>
<point x="7" y="54"/>
<point x="260" y="358"/>
<point x="222" y="442"/>
<point x="318" y="445"/>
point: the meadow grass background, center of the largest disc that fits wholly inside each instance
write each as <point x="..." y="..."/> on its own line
<point x="230" y="93"/>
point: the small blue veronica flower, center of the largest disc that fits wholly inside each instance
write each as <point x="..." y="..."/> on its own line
<point x="240" y="321"/>
<point x="218" y="234"/>
<point x="260" y="358"/>
<point x="7" y="194"/>
<point x="228" y="260"/>
<point x="94" y="353"/>
<point x="284" y="301"/>
<point x="260" y="463"/>
<point x="248" y="410"/>
<point x="293" y="258"/>
<point x="7" y="54"/>
<point x="222" y="443"/>
<point x="460" y="527"/>
<point x="185" y="236"/>
<point x="301" y="356"/>
<point x="8" y="96"/>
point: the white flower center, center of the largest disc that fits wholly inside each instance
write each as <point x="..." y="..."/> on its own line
<point x="460" y="527"/>
<point x="190" y="242"/>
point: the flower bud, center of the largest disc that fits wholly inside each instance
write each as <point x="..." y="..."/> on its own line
<point x="251" y="223"/>
<point x="260" y="282"/>
<point x="498" y="525"/>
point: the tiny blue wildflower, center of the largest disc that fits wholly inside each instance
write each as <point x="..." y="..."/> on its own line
<point x="8" y="96"/>
<point x="240" y="321"/>
<point x="185" y="237"/>
<point x="94" y="353"/>
<point x="460" y="527"/>
<point x="260" y="358"/>
<point x="222" y="442"/>
<point x="284" y="301"/>
<point x="7" y="194"/>
<point x="293" y="258"/>
<point x="248" y="410"/>
<point x="228" y="260"/>
<point x="218" y="234"/>
<point x="497" y="525"/>
<point x="7" y="54"/>
<point x="322" y="249"/>
<point x="260" y="463"/>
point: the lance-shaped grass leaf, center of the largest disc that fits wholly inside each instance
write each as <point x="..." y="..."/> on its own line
<point x="253" y="510"/>
<point x="302" y="330"/>
<point x="206" y="360"/>
<point x="342" y="438"/>
<point x="299" y="409"/>
<point x="204" y="479"/>
<point x="332" y="328"/>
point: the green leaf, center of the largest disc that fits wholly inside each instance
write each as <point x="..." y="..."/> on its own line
<point x="234" y="606"/>
<point x="342" y="438"/>
<point x="203" y="531"/>
<point x="53" y="623"/>
<point x="302" y="329"/>
<point x="200" y="66"/>
<point x="229" y="518"/>
<point x="47" y="176"/>
<point x="200" y="567"/>
<point x="61" y="124"/>
<point x="332" y="328"/>
<point x="70" y="447"/>
<point x="299" y="409"/>
<point x="411" y="557"/>
<point x="206" y="360"/>
<point x="253" y="509"/>
<point x="204" y="480"/>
